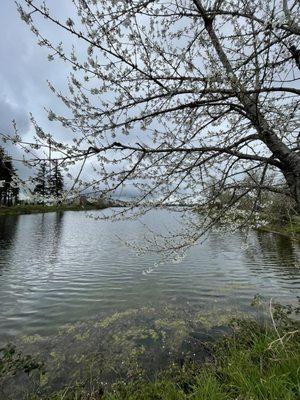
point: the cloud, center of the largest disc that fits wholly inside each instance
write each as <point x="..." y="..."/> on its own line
<point x="10" y="112"/>
<point x="24" y="68"/>
<point x="24" y="71"/>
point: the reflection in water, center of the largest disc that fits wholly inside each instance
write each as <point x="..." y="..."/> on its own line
<point x="57" y="232"/>
<point x="276" y="254"/>
<point x="47" y="234"/>
<point x="60" y="268"/>
<point x="8" y="229"/>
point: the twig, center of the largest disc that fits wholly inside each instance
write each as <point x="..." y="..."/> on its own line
<point x="289" y="334"/>
<point x="274" y="324"/>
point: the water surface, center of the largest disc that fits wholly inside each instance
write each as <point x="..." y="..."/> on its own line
<point x="60" y="268"/>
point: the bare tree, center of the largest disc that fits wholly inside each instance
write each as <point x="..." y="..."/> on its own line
<point x="169" y="94"/>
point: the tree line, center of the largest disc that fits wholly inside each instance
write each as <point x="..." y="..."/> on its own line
<point x="9" y="192"/>
<point x="48" y="182"/>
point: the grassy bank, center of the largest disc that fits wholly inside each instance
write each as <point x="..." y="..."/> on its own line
<point x="289" y="228"/>
<point x="253" y="364"/>
<point x="256" y="362"/>
<point x="39" y="208"/>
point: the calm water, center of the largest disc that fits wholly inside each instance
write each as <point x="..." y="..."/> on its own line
<point x="62" y="268"/>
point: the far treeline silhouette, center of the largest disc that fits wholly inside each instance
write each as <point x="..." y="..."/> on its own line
<point x="48" y="181"/>
<point x="9" y="191"/>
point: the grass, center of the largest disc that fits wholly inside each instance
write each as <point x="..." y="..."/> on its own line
<point x="39" y="208"/>
<point x="250" y="365"/>
<point x="289" y="228"/>
<point x="254" y="363"/>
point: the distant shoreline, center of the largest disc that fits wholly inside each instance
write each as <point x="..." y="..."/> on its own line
<point x="41" y="209"/>
<point x="291" y="231"/>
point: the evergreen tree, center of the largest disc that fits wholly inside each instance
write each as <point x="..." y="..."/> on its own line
<point x="56" y="182"/>
<point x="41" y="182"/>
<point x="13" y="190"/>
<point x="8" y="193"/>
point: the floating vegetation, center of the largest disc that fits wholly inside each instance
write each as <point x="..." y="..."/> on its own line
<point x="131" y="345"/>
<point x="216" y="317"/>
<point x="106" y="322"/>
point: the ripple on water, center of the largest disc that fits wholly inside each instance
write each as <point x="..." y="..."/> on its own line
<point x="60" y="268"/>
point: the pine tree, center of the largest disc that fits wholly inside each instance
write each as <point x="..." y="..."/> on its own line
<point x="14" y="190"/>
<point x="8" y="193"/>
<point x="41" y="182"/>
<point x="56" y="183"/>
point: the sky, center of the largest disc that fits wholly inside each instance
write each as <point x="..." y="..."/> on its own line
<point x="24" y="71"/>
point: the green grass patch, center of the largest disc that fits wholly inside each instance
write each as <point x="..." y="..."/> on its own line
<point x="289" y="228"/>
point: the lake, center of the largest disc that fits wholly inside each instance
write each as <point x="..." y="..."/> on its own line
<point x="88" y="308"/>
<point x="61" y="268"/>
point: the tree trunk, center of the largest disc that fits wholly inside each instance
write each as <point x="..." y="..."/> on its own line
<point x="292" y="177"/>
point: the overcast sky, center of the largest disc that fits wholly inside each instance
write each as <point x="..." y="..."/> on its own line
<point x="24" y="71"/>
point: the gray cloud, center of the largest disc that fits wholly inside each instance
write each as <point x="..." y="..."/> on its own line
<point x="24" y="67"/>
<point x="24" y="71"/>
<point x="10" y="112"/>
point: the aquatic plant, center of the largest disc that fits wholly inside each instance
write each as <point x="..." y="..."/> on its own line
<point x="169" y="354"/>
